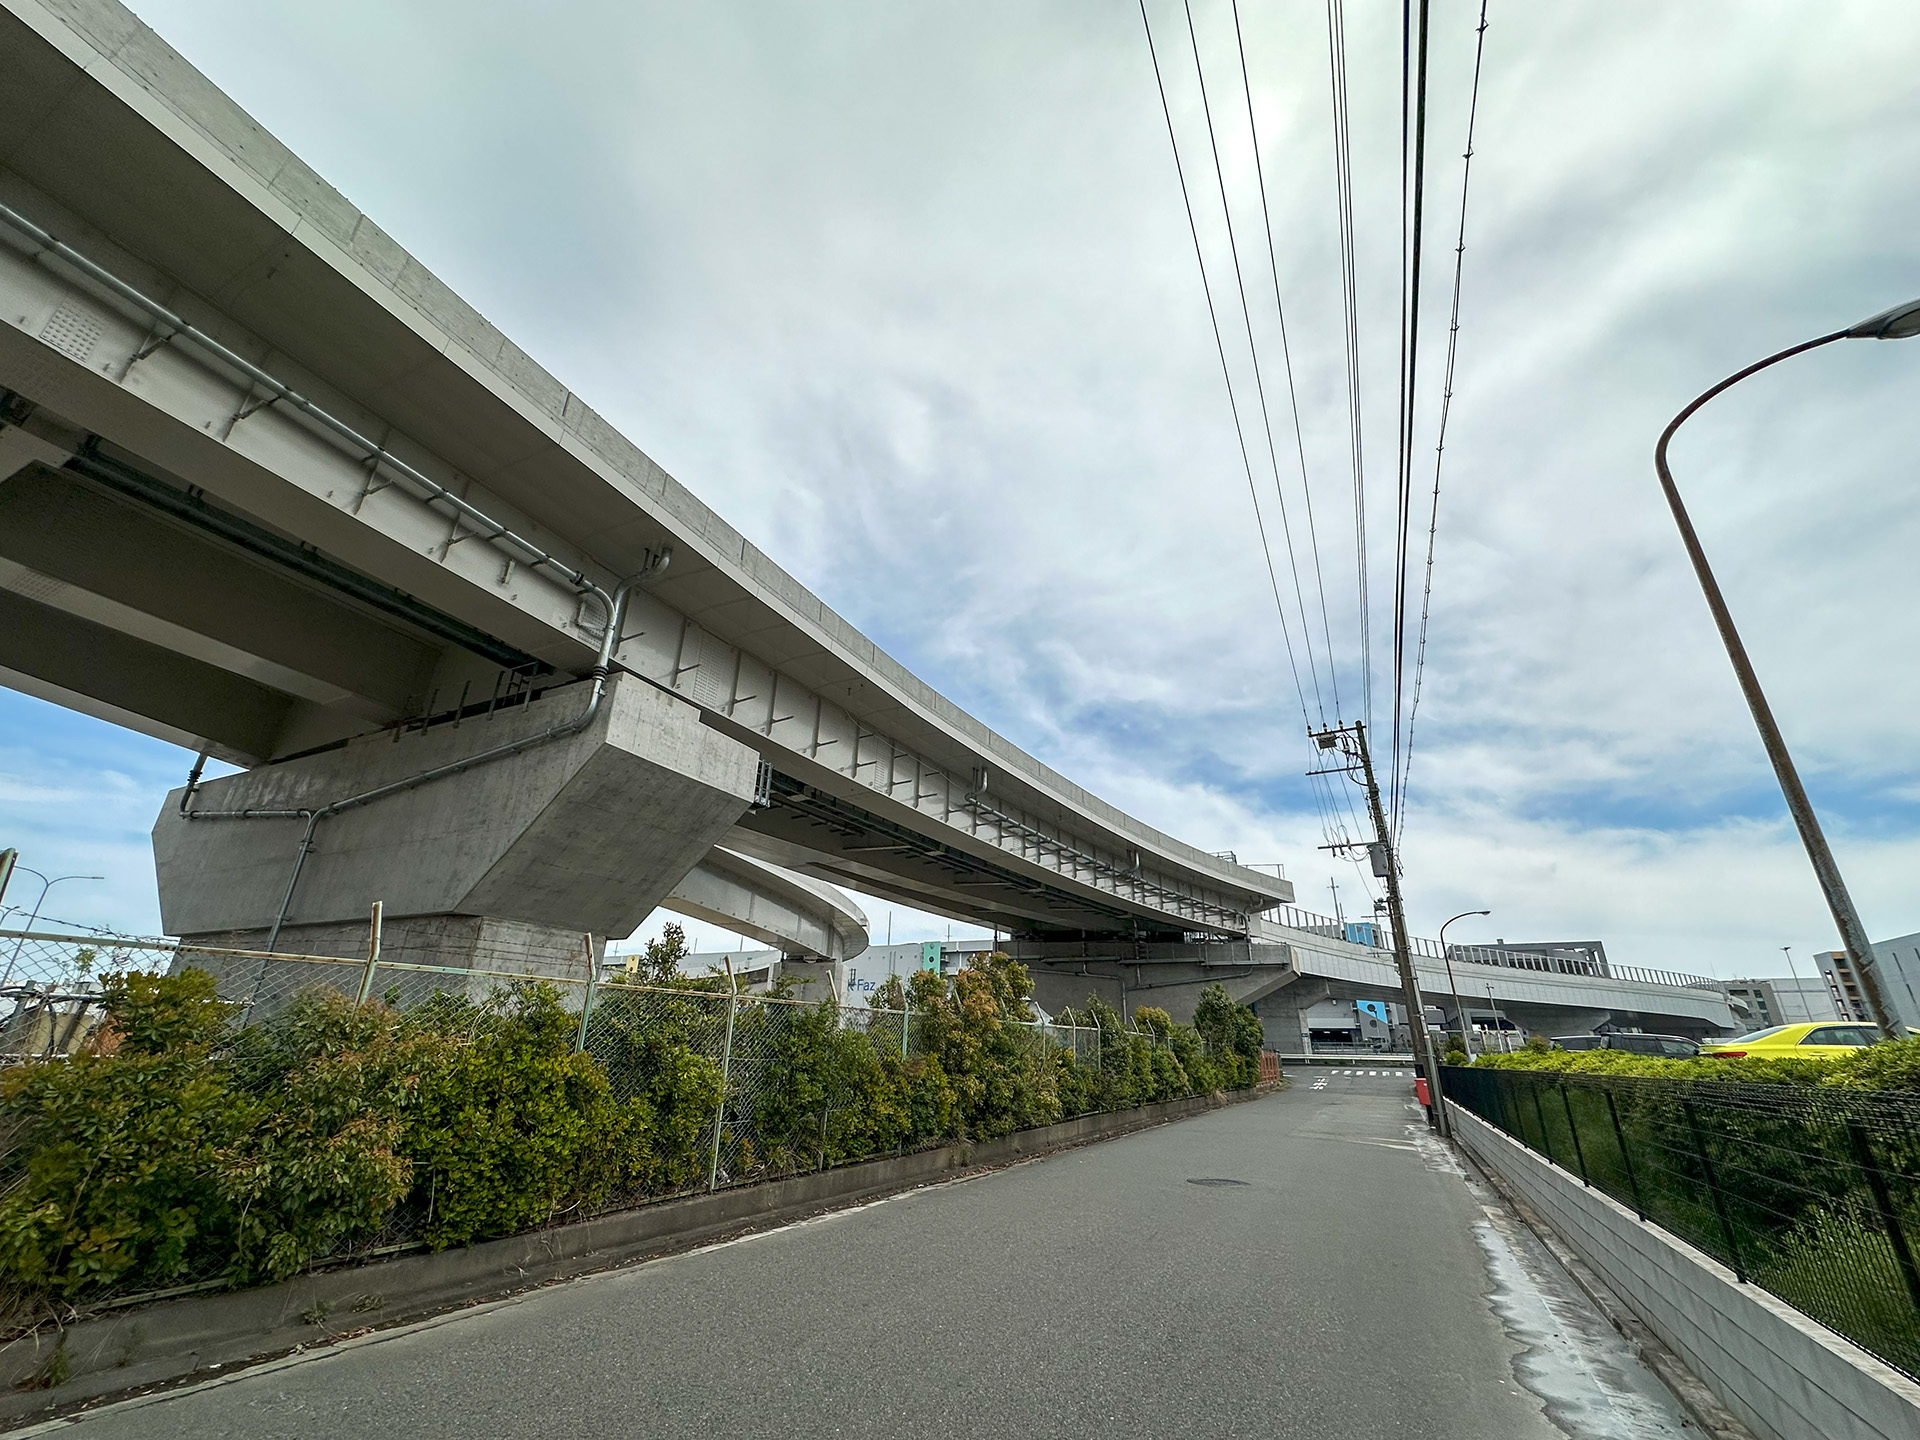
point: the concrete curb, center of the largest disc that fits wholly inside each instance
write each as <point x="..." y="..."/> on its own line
<point x="167" y="1341"/>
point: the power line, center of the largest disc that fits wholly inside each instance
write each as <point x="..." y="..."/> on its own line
<point x="1350" y="316"/>
<point x="1253" y="349"/>
<point x="1286" y="355"/>
<point x="1413" y="132"/>
<point x="1226" y="372"/>
<point x="1446" y="407"/>
<point x="1329" y="818"/>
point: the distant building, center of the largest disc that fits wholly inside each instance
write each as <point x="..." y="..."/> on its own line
<point x="1782" y="1001"/>
<point x="872" y="967"/>
<point x="1897" y="962"/>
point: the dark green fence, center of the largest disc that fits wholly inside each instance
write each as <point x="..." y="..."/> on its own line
<point x="1811" y="1193"/>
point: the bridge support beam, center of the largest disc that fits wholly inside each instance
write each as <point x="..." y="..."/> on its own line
<point x="800" y="917"/>
<point x="506" y="865"/>
<point x="1283" y="1015"/>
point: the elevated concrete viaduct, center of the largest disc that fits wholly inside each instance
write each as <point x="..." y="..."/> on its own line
<point x="1283" y="970"/>
<point x="271" y="490"/>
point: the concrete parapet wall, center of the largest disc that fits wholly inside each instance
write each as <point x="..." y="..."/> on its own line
<point x="1784" y="1375"/>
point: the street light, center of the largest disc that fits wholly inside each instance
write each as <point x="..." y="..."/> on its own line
<point x="1500" y="1021"/>
<point x="45" y="885"/>
<point x="1899" y="323"/>
<point x="1459" y="1011"/>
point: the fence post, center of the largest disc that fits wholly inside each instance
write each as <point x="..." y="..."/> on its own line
<point x="1889" y="1217"/>
<point x="1713" y="1189"/>
<point x="1620" y="1139"/>
<point x="586" y="1005"/>
<point x="906" y="1023"/>
<point x="373" y="952"/>
<point x="1579" y="1155"/>
<point x="726" y="1068"/>
<point x="1502" y="1086"/>
<point x="1546" y="1143"/>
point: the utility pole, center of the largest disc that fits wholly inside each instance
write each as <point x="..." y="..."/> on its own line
<point x="1351" y="742"/>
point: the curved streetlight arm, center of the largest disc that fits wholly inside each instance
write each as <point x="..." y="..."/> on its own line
<point x="1853" y="933"/>
<point x="1459" y="1010"/>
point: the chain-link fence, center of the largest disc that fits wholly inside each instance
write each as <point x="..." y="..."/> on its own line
<point x="50" y="989"/>
<point x="716" y="1085"/>
<point x="1810" y="1192"/>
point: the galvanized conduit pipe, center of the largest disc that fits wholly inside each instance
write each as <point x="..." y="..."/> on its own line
<point x="616" y="610"/>
<point x="430" y="491"/>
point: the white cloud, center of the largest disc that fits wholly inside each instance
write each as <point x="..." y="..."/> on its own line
<point x="906" y="294"/>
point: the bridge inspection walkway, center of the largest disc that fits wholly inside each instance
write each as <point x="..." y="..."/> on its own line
<point x="1353" y="1283"/>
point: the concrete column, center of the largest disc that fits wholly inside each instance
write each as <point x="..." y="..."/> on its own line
<point x="508" y="866"/>
<point x="1283" y="1016"/>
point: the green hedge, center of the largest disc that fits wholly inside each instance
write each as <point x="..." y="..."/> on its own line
<point x="193" y="1153"/>
<point x="1891" y="1065"/>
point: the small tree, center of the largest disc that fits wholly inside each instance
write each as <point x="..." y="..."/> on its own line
<point x="660" y="965"/>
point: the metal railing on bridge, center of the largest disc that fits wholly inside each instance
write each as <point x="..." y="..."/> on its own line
<point x="1376" y="936"/>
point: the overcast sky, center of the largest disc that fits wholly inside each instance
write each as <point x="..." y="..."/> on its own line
<point x="906" y="293"/>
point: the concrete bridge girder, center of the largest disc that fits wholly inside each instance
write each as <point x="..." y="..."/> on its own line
<point x="795" y="914"/>
<point x="1284" y="981"/>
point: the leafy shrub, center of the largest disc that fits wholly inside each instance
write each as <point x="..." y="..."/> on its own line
<point x="1891" y="1065"/>
<point x="119" y="1151"/>
<point x="510" y="1126"/>
<point x="327" y="1089"/>
<point x="1230" y="1029"/>
<point x="161" y="1014"/>
<point x="826" y="1093"/>
<point x="176" y="1149"/>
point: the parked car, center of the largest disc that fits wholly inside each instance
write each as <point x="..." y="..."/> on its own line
<point x="1818" y="1040"/>
<point x="1670" y="1047"/>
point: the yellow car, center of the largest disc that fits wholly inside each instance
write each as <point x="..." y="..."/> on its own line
<point x="1821" y="1041"/>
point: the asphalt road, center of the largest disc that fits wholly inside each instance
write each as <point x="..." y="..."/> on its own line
<point x="1352" y="1284"/>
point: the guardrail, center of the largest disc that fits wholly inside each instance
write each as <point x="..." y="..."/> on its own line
<point x="1376" y="936"/>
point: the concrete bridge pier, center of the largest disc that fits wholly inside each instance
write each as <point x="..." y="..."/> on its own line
<point x="1283" y="1014"/>
<point x="508" y="842"/>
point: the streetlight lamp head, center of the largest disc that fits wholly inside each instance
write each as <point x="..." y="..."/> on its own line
<point x="1898" y="323"/>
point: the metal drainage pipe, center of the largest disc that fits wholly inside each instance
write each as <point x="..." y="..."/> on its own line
<point x="429" y="490"/>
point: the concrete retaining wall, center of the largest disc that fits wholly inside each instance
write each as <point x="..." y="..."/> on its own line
<point x="169" y="1340"/>
<point x="1785" y="1376"/>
